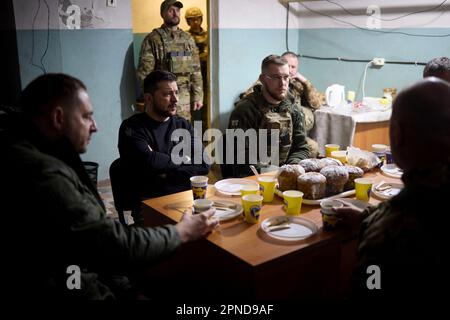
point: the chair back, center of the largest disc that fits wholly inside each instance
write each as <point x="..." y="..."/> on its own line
<point x="121" y="189"/>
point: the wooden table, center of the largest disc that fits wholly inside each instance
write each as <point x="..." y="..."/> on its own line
<point x="239" y="260"/>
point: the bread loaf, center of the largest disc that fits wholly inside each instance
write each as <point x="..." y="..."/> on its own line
<point x="312" y="184"/>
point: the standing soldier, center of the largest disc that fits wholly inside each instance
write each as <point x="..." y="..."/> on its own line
<point x="170" y="48"/>
<point x="194" y="18"/>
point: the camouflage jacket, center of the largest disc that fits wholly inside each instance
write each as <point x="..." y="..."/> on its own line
<point x="307" y="98"/>
<point x="174" y="51"/>
<point x="407" y="238"/>
<point x="201" y="40"/>
<point x="249" y="114"/>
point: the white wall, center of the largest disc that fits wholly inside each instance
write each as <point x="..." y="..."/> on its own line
<point x="437" y="18"/>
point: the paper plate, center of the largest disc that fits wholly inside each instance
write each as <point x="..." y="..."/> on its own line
<point x="394" y="172"/>
<point x="224" y="214"/>
<point x="297" y="228"/>
<point x="233" y="186"/>
<point x="394" y="189"/>
<point x="317" y="201"/>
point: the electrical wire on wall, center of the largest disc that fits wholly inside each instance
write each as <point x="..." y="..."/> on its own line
<point x="41" y="60"/>
<point x="390" y="19"/>
<point x="367" y="29"/>
<point x="374" y="30"/>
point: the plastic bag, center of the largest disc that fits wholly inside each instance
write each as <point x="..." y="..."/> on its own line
<point x="361" y="158"/>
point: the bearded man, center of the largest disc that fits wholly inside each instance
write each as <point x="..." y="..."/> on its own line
<point x="270" y="107"/>
<point x="146" y="145"/>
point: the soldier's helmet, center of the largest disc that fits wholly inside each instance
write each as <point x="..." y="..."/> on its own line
<point x="193" y="12"/>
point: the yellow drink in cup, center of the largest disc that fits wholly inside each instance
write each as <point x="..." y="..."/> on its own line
<point x="249" y="189"/>
<point x="351" y="96"/>
<point x="293" y="202"/>
<point x="267" y="187"/>
<point x="341" y="155"/>
<point x="252" y="204"/>
<point x="363" y="187"/>
<point x="331" y="147"/>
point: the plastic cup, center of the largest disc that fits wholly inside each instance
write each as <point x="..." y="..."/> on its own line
<point x="330" y="221"/>
<point x="201" y="205"/>
<point x="199" y="185"/>
<point x="249" y="189"/>
<point x="267" y="187"/>
<point x="341" y="155"/>
<point x="363" y="187"/>
<point x="331" y="147"/>
<point x="380" y="151"/>
<point x="389" y="160"/>
<point x="351" y="96"/>
<point x="252" y="204"/>
<point x="293" y="202"/>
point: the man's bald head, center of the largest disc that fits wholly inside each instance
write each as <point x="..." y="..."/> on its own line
<point x="420" y="124"/>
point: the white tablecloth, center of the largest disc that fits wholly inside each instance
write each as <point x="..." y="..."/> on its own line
<point x="337" y="125"/>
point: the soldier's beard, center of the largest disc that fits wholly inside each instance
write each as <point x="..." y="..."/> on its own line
<point x="277" y="96"/>
<point x="172" y="22"/>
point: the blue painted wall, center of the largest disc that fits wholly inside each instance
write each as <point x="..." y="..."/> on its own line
<point x="103" y="60"/>
<point x="358" y="44"/>
<point x="240" y="54"/>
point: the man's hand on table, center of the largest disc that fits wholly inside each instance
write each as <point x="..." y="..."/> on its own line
<point x="192" y="227"/>
<point x="350" y="214"/>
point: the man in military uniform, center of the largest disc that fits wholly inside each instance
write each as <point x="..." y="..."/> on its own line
<point x="270" y="107"/>
<point x="438" y="67"/>
<point x="304" y="93"/>
<point x="194" y="18"/>
<point x="406" y="237"/>
<point x="170" y="48"/>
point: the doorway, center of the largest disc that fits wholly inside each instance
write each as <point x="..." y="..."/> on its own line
<point x="146" y="17"/>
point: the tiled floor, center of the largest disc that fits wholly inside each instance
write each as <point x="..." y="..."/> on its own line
<point x="104" y="189"/>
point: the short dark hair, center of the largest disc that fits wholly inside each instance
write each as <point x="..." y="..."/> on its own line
<point x="48" y="91"/>
<point x="153" y="78"/>
<point x="272" y="59"/>
<point x="437" y="66"/>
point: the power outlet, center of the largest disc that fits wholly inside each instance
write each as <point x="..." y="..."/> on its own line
<point x="378" y="62"/>
<point x="111" y="3"/>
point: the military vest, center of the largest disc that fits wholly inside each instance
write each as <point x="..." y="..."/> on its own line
<point x="175" y="54"/>
<point x="282" y="120"/>
<point x="201" y="41"/>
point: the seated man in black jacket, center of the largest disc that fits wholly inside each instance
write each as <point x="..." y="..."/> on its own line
<point x="146" y="143"/>
<point x="60" y="244"/>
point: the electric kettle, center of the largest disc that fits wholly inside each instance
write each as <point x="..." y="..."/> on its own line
<point x="335" y="95"/>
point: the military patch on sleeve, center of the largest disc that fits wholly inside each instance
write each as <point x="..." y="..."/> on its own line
<point x="234" y="123"/>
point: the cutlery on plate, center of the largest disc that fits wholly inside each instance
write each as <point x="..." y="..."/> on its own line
<point x="278" y="222"/>
<point x="280" y="227"/>
<point x="219" y="204"/>
<point x="383" y="186"/>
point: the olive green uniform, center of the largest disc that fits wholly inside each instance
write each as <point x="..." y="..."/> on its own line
<point x="201" y="40"/>
<point x="254" y="112"/>
<point x="308" y="99"/>
<point x="174" y="51"/>
<point x="407" y="238"/>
